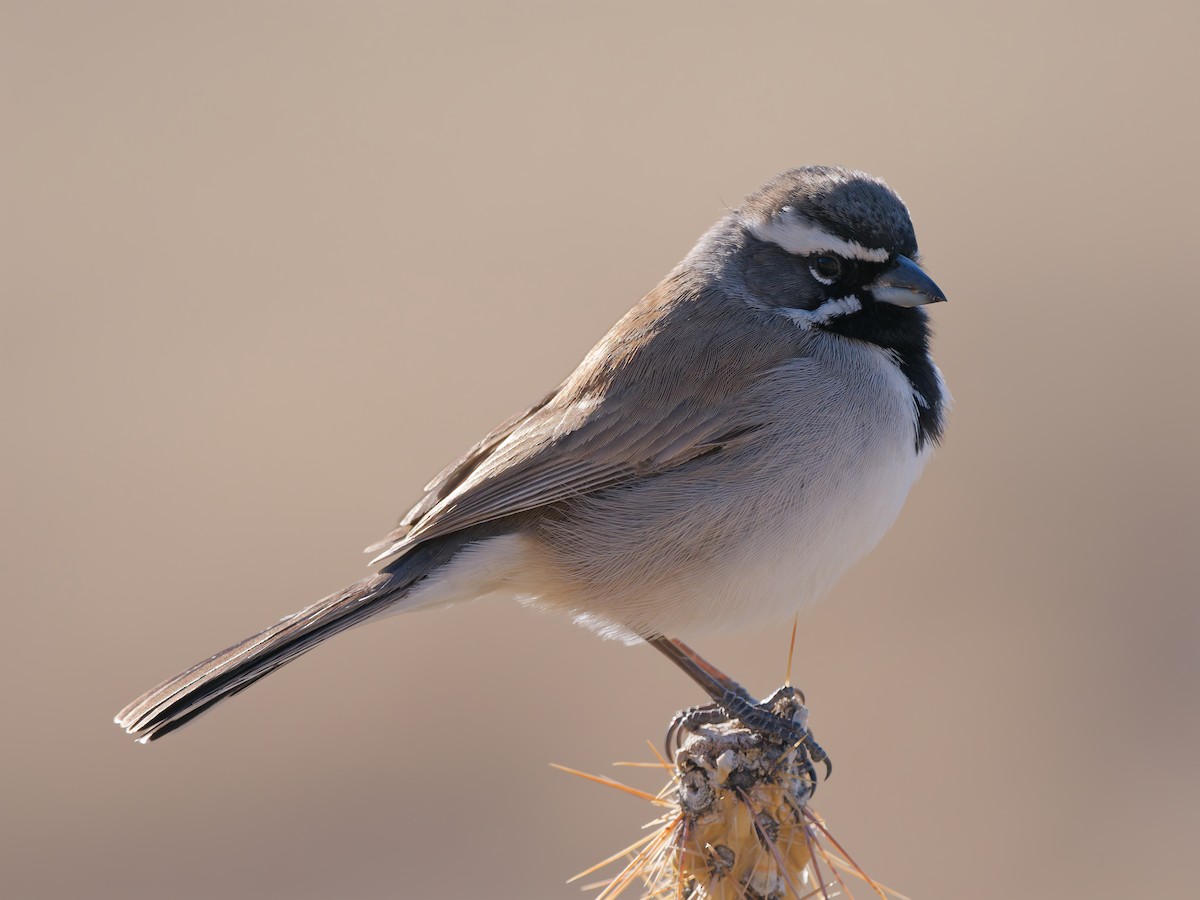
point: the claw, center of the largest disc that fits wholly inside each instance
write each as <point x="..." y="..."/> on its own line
<point x="670" y="743"/>
<point x="817" y="754"/>
<point x="810" y="772"/>
<point x="689" y="720"/>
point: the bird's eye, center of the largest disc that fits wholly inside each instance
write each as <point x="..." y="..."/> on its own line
<point x="826" y="269"/>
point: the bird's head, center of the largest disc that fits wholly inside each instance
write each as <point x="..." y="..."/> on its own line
<point x="834" y="249"/>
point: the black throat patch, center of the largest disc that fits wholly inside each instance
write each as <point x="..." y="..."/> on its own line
<point x="905" y="334"/>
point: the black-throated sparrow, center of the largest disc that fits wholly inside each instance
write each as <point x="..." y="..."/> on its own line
<point x="740" y="438"/>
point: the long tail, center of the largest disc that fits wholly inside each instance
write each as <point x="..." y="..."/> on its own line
<point x="180" y="699"/>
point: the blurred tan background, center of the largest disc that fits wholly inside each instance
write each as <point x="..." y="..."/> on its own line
<point x="268" y="266"/>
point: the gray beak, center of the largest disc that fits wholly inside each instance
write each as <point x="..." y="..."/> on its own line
<point x="905" y="284"/>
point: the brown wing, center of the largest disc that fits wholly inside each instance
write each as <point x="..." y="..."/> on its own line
<point x="650" y="396"/>
<point x="454" y="474"/>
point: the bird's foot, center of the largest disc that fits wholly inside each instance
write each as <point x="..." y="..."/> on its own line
<point x="781" y="716"/>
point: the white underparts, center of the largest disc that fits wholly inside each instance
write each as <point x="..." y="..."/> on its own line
<point x="803" y="237"/>
<point x="490" y="567"/>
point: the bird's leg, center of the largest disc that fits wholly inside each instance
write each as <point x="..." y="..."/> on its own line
<point x="724" y="691"/>
<point x="732" y="701"/>
<point x="716" y="683"/>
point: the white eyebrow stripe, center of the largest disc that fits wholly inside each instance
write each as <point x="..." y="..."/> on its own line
<point x="803" y="237"/>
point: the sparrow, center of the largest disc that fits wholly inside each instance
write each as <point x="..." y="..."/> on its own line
<point x="745" y="434"/>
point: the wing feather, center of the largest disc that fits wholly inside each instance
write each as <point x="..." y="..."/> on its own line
<point x="648" y="398"/>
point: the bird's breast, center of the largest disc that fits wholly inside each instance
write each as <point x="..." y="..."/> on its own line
<point x="744" y="537"/>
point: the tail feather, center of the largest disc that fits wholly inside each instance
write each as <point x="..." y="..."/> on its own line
<point x="180" y="699"/>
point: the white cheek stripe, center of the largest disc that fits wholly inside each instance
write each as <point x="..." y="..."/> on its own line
<point x="830" y="309"/>
<point x="802" y="237"/>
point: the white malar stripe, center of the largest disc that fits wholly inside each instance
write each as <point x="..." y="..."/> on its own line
<point x="830" y="309"/>
<point x="803" y="237"/>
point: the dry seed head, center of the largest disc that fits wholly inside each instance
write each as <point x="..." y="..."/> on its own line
<point x="742" y="830"/>
<point x="735" y="823"/>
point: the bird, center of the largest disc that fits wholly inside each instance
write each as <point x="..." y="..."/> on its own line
<point x="739" y="439"/>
